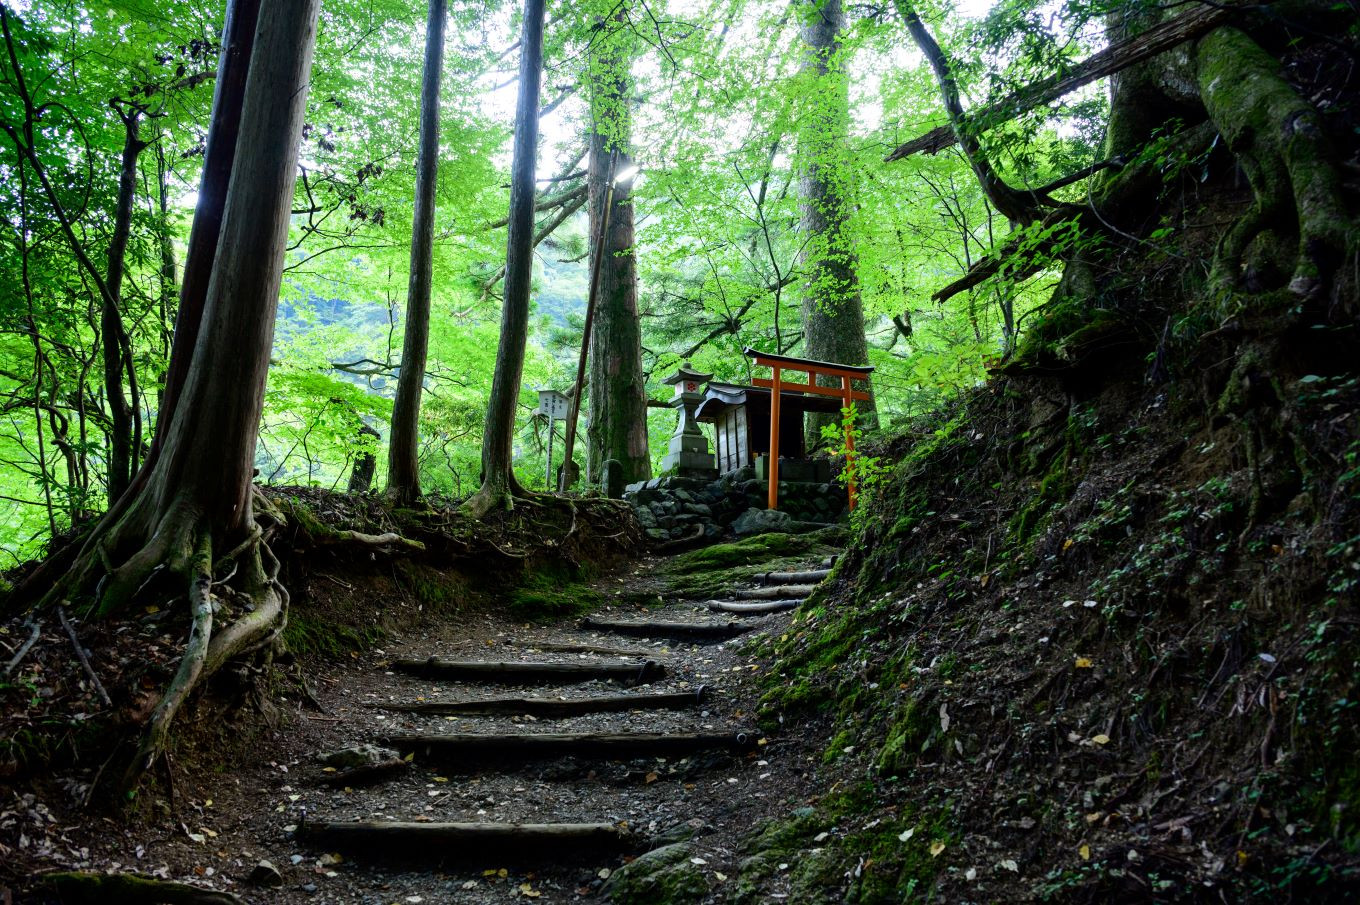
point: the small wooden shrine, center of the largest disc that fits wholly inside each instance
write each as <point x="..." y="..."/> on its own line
<point x="741" y="419"/>
<point x="766" y="418"/>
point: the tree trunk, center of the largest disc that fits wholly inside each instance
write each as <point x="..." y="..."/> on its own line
<point x="833" y="313"/>
<point x="403" y="451"/>
<point x="195" y="500"/>
<point x="116" y="347"/>
<point x="233" y="68"/>
<point x="498" y="477"/>
<point x="365" y="462"/>
<point x="238" y="40"/>
<point x="618" y="395"/>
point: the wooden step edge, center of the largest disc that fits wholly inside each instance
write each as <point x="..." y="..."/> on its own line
<point x="455" y="840"/>
<point x="642" y="653"/>
<point x="754" y="607"/>
<point x="708" y="631"/>
<point x="812" y="576"/>
<point x="546" y="745"/>
<point x="520" y="671"/>
<point x="774" y="592"/>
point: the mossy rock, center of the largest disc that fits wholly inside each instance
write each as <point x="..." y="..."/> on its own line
<point x="755" y="550"/>
<point x="663" y="876"/>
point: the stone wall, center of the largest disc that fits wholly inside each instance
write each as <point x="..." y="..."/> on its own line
<point x="670" y="507"/>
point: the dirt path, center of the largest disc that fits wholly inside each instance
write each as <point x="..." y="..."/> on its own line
<point x="702" y="775"/>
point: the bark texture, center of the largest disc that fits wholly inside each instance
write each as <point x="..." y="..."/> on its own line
<point x="403" y="452"/>
<point x="193" y="509"/>
<point x="498" y="477"/>
<point x="618" y="395"/>
<point x="233" y="68"/>
<point x="832" y="312"/>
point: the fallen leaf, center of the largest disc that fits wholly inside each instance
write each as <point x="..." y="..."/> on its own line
<point x="936" y="848"/>
<point x="1085" y="852"/>
<point x="1084" y="663"/>
<point x="906" y="834"/>
<point x="650" y="778"/>
<point x="1101" y="739"/>
<point x="1010" y="865"/>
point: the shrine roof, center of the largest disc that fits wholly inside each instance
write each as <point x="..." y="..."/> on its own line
<point x="719" y="396"/>
<point x="802" y="363"/>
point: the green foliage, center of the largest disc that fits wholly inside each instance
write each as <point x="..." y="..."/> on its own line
<point x="723" y="138"/>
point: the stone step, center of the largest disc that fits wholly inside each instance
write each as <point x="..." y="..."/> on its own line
<point x="523" y="672"/>
<point x="555" y="707"/>
<point x="694" y="632"/>
<point x="528" y="746"/>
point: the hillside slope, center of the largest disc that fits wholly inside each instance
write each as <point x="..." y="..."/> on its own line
<point x="1096" y="637"/>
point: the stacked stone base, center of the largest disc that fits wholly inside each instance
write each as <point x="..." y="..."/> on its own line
<point x="669" y="508"/>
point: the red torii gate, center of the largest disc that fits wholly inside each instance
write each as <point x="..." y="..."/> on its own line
<point x="814" y="369"/>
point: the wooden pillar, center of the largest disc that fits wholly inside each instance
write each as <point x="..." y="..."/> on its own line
<point x="846" y="402"/>
<point x="773" y="471"/>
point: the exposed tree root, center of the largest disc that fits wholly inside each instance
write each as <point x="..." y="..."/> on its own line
<point x="1279" y="140"/>
<point x="128" y="889"/>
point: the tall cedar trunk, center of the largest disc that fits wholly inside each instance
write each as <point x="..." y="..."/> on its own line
<point x="205" y="469"/>
<point x="117" y="363"/>
<point x="498" y="477"/>
<point x="618" y="394"/>
<point x="833" y="313"/>
<point x="403" y="453"/>
<point x="233" y="68"/>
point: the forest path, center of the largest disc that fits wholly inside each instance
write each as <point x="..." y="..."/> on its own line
<point x="517" y="762"/>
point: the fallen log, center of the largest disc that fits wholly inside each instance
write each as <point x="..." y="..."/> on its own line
<point x="549" y="707"/>
<point x="557" y="647"/>
<point x="462" y="840"/>
<point x="524" y="746"/>
<point x="809" y="577"/>
<point x="754" y="607"/>
<point x="691" y="631"/>
<point x="778" y="592"/>
<point x="521" y="672"/>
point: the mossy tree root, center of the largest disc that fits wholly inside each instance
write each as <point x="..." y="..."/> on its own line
<point x="179" y="544"/>
<point x="128" y="889"/>
<point x="1279" y="140"/>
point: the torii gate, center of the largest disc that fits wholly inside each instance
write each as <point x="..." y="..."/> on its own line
<point x="814" y="369"/>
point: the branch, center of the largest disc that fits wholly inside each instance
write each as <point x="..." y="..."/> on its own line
<point x="1011" y="202"/>
<point x="1153" y="42"/>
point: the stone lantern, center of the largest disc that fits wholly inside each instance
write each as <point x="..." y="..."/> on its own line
<point x="689" y="456"/>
